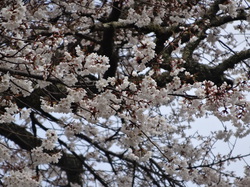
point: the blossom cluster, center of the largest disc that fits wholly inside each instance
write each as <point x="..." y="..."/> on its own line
<point x="144" y="53"/>
<point x="42" y="155"/>
<point x="13" y="15"/>
<point x="165" y="54"/>
<point x="23" y="178"/>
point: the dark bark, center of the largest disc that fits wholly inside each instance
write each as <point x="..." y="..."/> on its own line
<point x="107" y="45"/>
<point x="27" y="141"/>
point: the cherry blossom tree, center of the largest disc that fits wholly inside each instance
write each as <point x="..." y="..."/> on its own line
<point x="103" y="93"/>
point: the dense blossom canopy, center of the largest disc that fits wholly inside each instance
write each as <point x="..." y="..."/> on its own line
<point x="104" y="93"/>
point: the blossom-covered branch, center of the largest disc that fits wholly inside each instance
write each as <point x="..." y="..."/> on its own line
<point x="105" y="93"/>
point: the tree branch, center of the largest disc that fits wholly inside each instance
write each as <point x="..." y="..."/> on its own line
<point x="233" y="60"/>
<point x="107" y="44"/>
<point x="27" y="74"/>
<point x="19" y="135"/>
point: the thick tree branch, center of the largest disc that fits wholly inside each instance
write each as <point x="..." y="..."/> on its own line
<point x="19" y="135"/>
<point x="232" y="61"/>
<point x="27" y="74"/>
<point x="27" y="141"/>
<point x="107" y="44"/>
